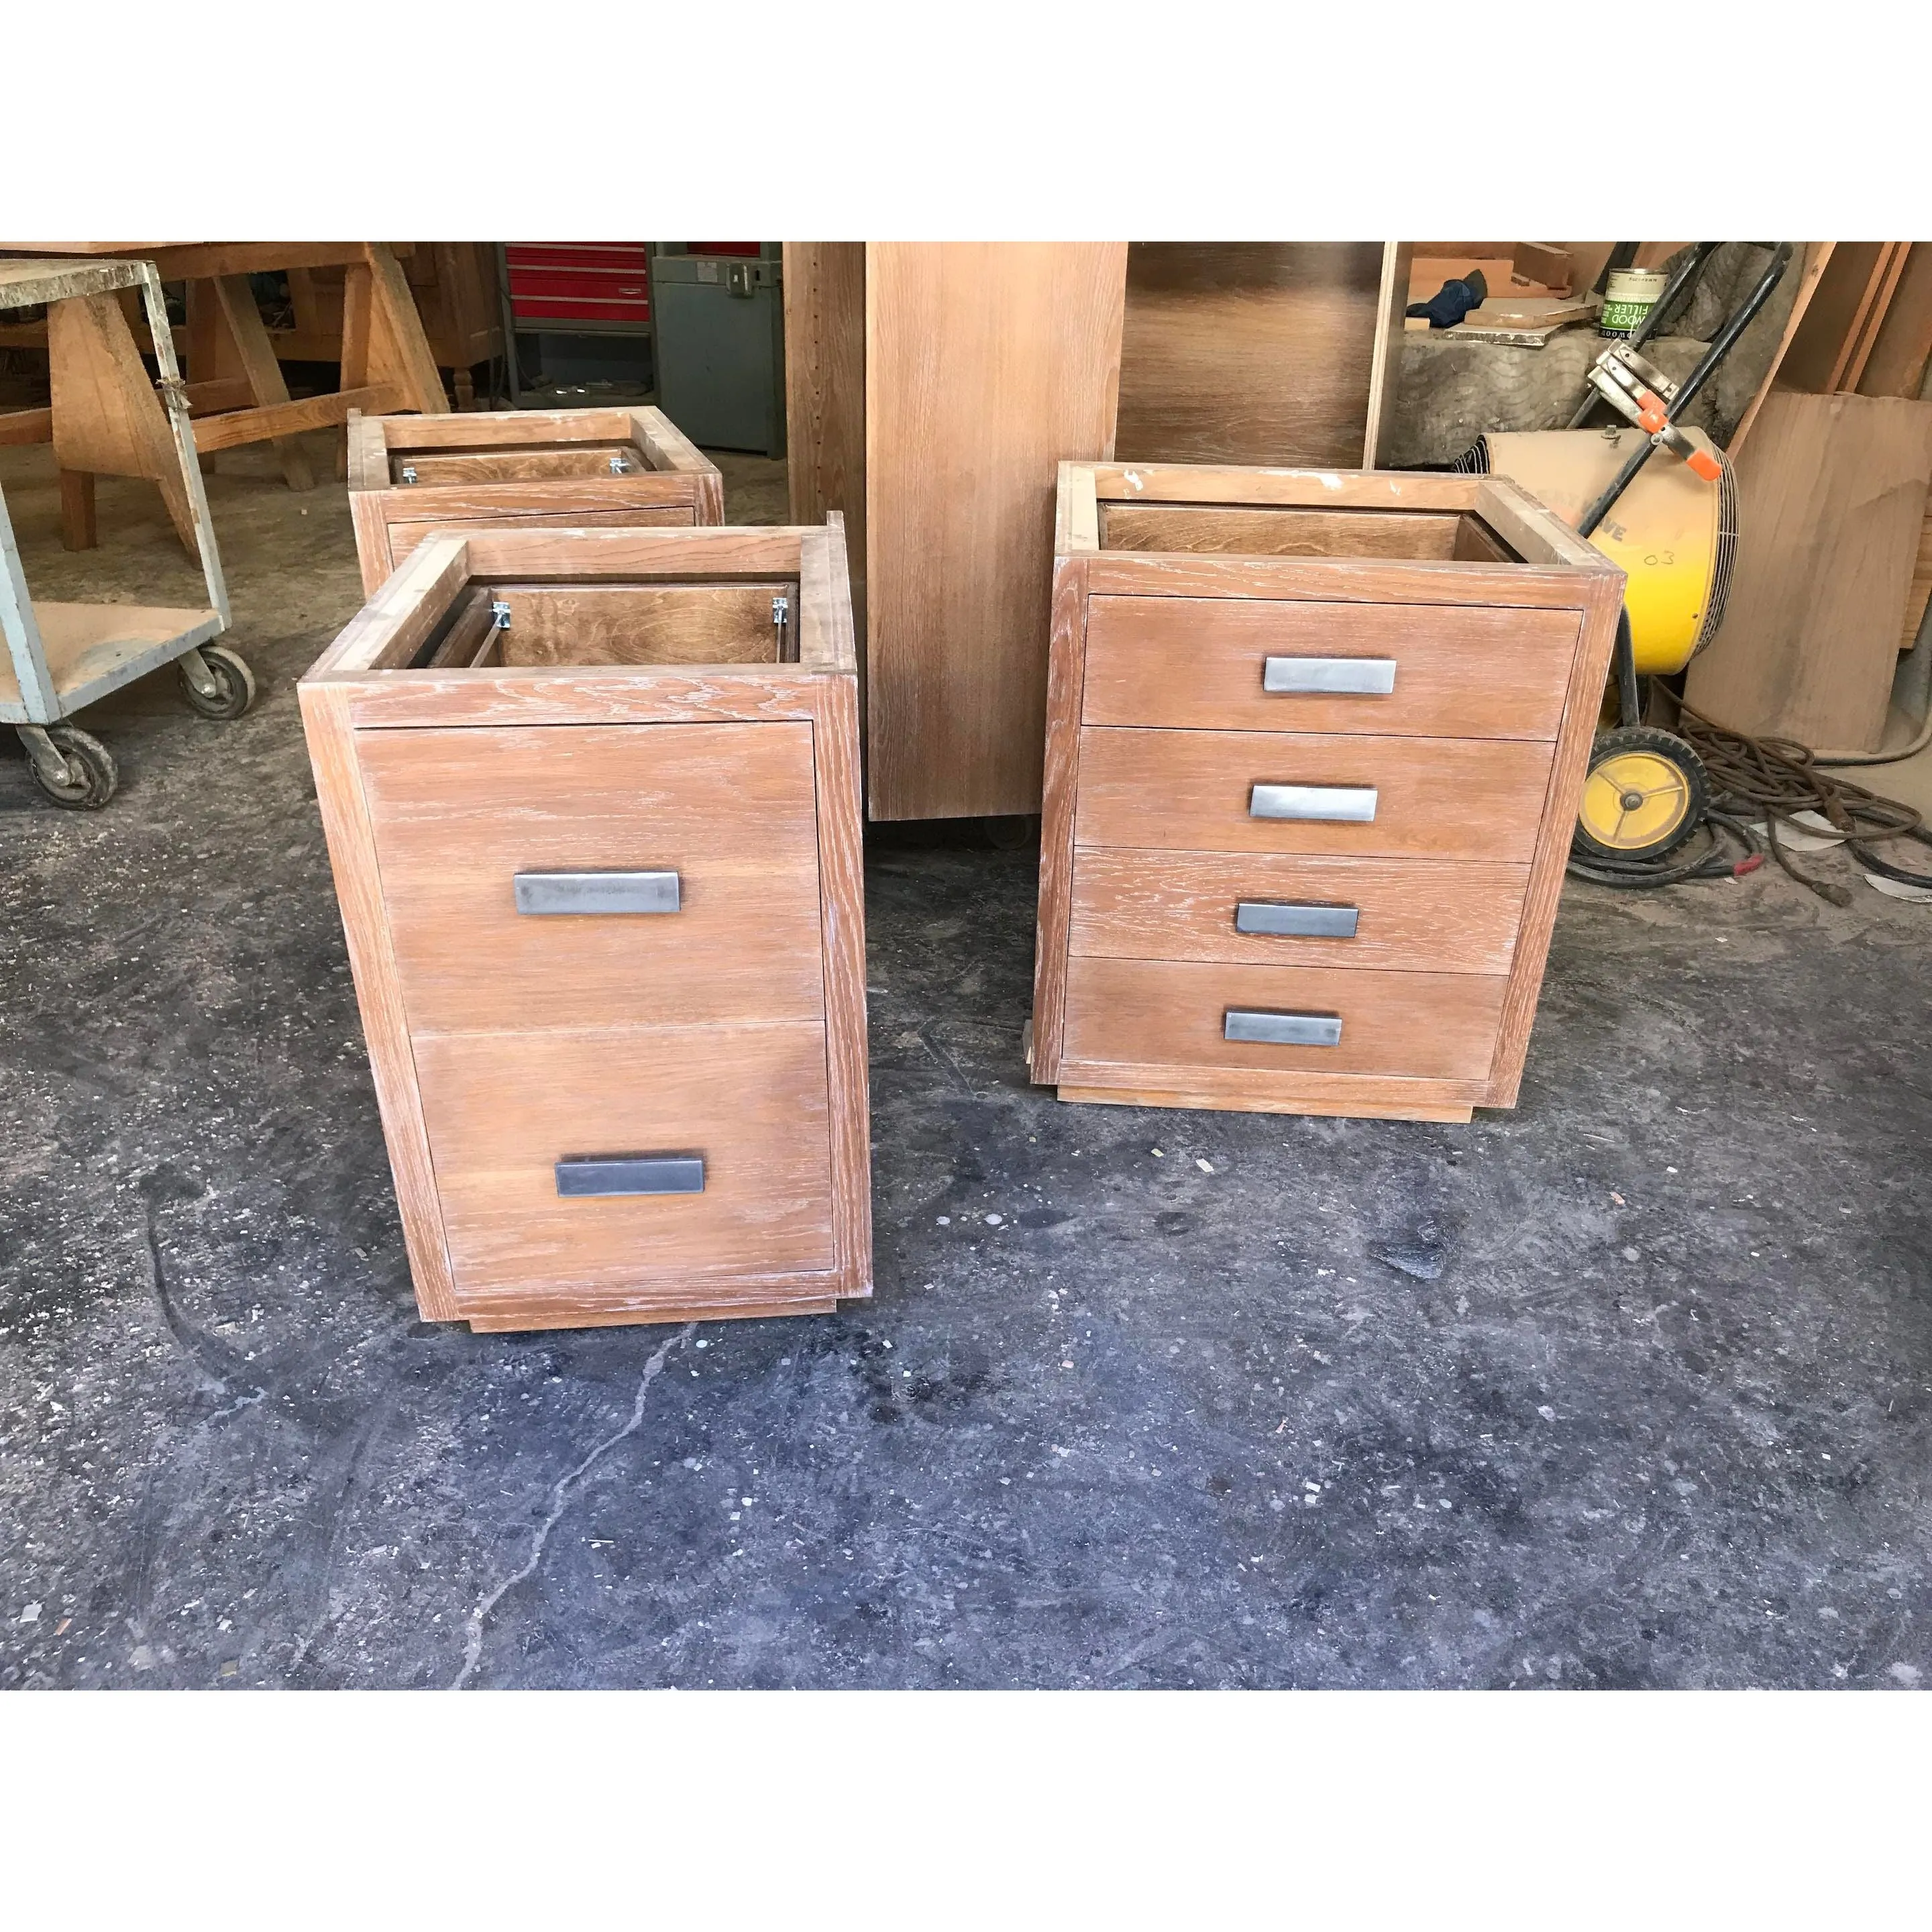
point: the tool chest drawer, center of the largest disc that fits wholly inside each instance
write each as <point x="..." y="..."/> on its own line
<point x="1279" y="791"/>
<point x="1271" y="665"/>
<point x="1432" y="916"/>
<point x="1315" y="742"/>
<point x="410" y="476"/>
<point x="592" y="801"/>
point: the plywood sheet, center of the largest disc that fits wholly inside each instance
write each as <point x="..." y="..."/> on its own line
<point x="1832" y="495"/>
<point x="1249" y="351"/>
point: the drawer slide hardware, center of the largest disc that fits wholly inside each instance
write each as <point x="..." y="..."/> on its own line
<point x="620" y="465"/>
<point x="1297" y="922"/>
<point x="1332" y="677"/>
<point x="631" y="1173"/>
<point x="567" y="893"/>
<point x="1348" y="805"/>
<point x="1282" y="1029"/>
<point x="408" y="472"/>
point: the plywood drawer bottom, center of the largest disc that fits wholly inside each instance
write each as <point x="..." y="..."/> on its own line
<point x="1435" y="1026"/>
<point x="502" y="1109"/>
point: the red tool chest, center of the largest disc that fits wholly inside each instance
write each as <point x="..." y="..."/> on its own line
<point x="602" y="282"/>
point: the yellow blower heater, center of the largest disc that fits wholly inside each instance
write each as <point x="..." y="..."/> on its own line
<point x="1657" y="498"/>
<point x="1674" y="533"/>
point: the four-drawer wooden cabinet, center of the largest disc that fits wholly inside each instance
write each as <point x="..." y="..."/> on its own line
<point x="592" y="800"/>
<point x="1315" y="743"/>
<point x="520" y="469"/>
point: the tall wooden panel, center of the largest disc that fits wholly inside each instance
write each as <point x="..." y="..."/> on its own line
<point x="1258" y="352"/>
<point x="987" y="365"/>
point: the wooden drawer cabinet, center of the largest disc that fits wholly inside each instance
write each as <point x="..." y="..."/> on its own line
<point x="1314" y="745"/>
<point x="594" y="816"/>
<point x="527" y="469"/>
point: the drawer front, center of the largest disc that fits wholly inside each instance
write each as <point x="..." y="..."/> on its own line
<point x="1412" y="915"/>
<point x="460" y="815"/>
<point x="531" y="463"/>
<point x="403" y="537"/>
<point x="1196" y="791"/>
<point x="504" y="1111"/>
<point x="1236" y="664"/>
<point x="1159" y="1013"/>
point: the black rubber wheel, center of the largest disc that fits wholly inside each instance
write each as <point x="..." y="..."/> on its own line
<point x="235" y="682"/>
<point x="92" y="774"/>
<point x="1646" y="793"/>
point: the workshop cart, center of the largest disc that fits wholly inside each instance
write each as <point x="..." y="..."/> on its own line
<point x="62" y="657"/>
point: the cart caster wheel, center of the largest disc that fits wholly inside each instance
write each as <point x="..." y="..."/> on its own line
<point x="1646" y="793"/>
<point x="91" y="777"/>
<point x="234" y="690"/>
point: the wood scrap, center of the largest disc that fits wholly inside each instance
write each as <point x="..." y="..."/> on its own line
<point x="1832" y="498"/>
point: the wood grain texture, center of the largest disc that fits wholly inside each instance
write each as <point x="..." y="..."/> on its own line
<point x="1214" y="483"/>
<point x="359" y="890"/>
<point x="1066" y="672"/>
<point x="1161" y="1013"/>
<point x="1555" y="828"/>
<point x="1422" y="534"/>
<point x="841" y="864"/>
<point x="1417" y="916"/>
<point x="642" y="624"/>
<point x="587" y="555"/>
<point x="568" y="694"/>
<point x="1902" y="345"/>
<point x="1832" y="503"/>
<point x="1816" y="359"/>
<point x="1249" y="351"/>
<point x="825" y="392"/>
<point x="402" y="612"/>
<point x="626" y="1311"/>
<point x="501" y="1109"/>
<point x="1352" y="1096"/>
<point x="537" y="470"/>
<point x="1385" y="360"/>
<point x="987" y="365"/>
<point x="1338" y="579"/>
<point x="457" y="814"/>
<point x="1440" y="798"/>
<point x="1197" y="663"/>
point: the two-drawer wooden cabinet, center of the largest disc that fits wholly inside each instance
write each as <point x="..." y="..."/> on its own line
<point x="521" y="469"/>
<point x="591" y="799"/>
<point x="1315" y="742"/>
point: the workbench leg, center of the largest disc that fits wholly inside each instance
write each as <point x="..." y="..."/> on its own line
<point x="397" y="351"/>
<point x="107" y="420"/>
<point x="78" y="528"/>
<point x="250" y="335"/>
<point x="466" y="388"/>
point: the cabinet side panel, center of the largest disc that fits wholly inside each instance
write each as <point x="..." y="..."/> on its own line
<point x="988" y="365"/>
<point x="352" y="853"/>
<point x="842" y="866"/>
<point x="825" y="392"/>
<point x="1066" y="676"/>
<point x="1593" y="643"/>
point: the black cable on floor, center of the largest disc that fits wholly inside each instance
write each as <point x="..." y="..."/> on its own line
<point x="1771" y="779"/>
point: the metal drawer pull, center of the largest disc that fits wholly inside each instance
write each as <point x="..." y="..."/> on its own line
<point x="1283" y="1029"/>
<point x="1300" y="922"/>
<point x="631" y="1173"/>
<point x="1355" y="804"/>
<point x="1342" y="677"/>
<point x="596" y="892"/>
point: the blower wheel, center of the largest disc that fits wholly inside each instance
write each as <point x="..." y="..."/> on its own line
<point x="1646" y="793"/>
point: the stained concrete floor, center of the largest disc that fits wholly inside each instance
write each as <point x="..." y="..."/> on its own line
<point x="1629" y="1387"/>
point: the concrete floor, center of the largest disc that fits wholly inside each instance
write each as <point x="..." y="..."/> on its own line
<point x="1630" y="1386"/>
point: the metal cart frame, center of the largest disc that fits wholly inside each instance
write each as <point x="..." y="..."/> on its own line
<point x="62" y="657"/>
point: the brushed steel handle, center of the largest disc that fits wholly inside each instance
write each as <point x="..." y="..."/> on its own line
<point x="1282" y="1029"/>
<point x="1343" y="677"/>
<point x="553" y="892"/>
<point x="1353" y="804"/>
<point x="1299" y="922"/>
<point x="631" y="1173"/>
